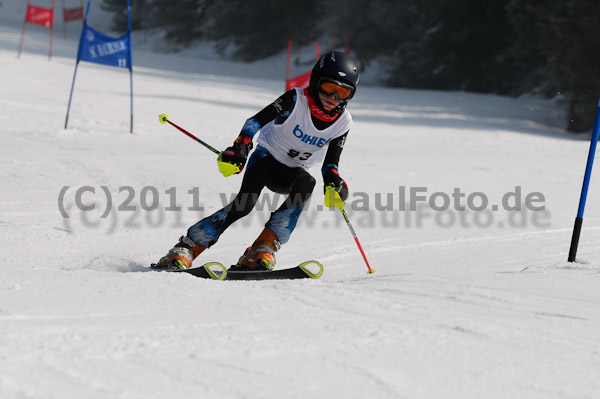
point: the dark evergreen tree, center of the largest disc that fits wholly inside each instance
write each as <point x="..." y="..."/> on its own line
<point x="183" y="22"/>
<point x="460" y="45"/>
<point x="533" y="74"/>
<point x="384" y="29"/>
<point x="569" y="32"/>
<point x="252" y="30"/>
<point x="139" y="13"/>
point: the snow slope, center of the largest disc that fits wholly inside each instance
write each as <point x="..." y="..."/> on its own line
<point x="465" y="304"/>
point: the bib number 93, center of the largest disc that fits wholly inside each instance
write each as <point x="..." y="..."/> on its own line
<point x="303" y="156"/>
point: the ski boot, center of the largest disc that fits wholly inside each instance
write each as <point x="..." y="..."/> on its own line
<point x="180" y="256"/>
<point x="261" y="255"/>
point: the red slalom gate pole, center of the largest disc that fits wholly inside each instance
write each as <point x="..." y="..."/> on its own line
<point x="287" y="68"/>
<point x="23" y="30"/>
<point x="51" y="32"/>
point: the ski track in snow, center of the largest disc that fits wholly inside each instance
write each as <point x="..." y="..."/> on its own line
<point x="455" y="311"/>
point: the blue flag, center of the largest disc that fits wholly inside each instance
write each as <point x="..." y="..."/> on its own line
<point x="101" y="49"/>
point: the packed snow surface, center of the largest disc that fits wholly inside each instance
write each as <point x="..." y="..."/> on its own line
<point x="473" y="297"/>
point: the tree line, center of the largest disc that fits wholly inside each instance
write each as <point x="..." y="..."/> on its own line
<point x="547" y="48"/>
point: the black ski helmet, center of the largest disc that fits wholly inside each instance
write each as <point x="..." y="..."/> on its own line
<point x="337" y="67"/>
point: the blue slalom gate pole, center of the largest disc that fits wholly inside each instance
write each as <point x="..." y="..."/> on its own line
<point x="584" y="189"/>
<point x="71" y="95"/>
<point x="130" y="63"/>
<point x="87" y="11"/>
<point x="131" y="90"/>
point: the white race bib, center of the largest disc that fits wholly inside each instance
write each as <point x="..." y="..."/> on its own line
<point x="297" y="142"/>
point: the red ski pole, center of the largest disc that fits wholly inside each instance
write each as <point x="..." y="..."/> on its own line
<point x="227" y="169"/>
<point x="357" y="242"/>
<point x="164" y="118"/>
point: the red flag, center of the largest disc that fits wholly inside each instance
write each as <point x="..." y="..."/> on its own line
<point x="299" y="81"/>
<point x="40" y="16"/>
<point x="72" y="14"/>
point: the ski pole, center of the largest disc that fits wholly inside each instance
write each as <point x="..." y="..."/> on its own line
<point x="164" y="118"/>
<point x="357" y="242"/>
<point x="226" y="168"/>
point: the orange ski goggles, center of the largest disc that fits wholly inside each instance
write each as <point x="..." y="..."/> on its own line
<point x="331" y="88"/>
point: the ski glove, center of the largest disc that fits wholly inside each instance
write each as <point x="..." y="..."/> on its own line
<point x="235" y="155"/>
<point x="333" y="181"/>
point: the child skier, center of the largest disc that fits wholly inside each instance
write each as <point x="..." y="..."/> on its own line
<point x="294" y="132"/>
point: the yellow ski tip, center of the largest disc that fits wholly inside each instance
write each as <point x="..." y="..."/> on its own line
<point x="162" y="118"/>
<point x="309" y="273"/>
<point x="218" y="274"/>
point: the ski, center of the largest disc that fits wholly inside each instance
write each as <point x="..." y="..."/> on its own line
<point x="216" y="271"/>
<point x="298" y="272"/>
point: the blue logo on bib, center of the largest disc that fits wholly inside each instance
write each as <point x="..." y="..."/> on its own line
<point x="305" y="138"/>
